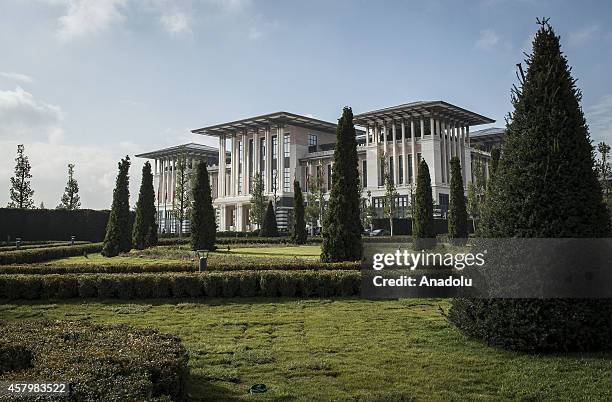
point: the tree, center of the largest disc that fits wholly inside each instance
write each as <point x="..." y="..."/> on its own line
<point x="118" y="237"/>
<point x="473" y="206"/>
<point x="21" y="193"/>
<point x="457" y="215"/>
<point x="495" y="154"/>
<point x="314" y="199"/>
<point x="298" y="235"/>
<point x="477" y="188"/>
<point x="182" y="193"/>
<point x="257" y="212"/>
<point x="367" y="212"/>
<point x="544" y="187"/>
<point x="605" y="173"/>
<point x="422" y="214"/>
<point x="71" y="199"/>
<point x="203" y="222"/>
<point x="145" y="228"/>
<point x="391" y="193"/>
<point x="341" y="224"/>
<point x="269" y="227"/>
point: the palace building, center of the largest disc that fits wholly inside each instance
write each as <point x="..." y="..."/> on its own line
<point x="284" y="147"/>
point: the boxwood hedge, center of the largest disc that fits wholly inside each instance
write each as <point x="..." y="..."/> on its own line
<point x="266" y="283"/>
<point x="47" y="253"/>
<point x="100" y="362"/>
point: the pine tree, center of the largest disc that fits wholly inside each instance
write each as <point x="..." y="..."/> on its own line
<point x="457" y="215"/>
<point x="495" y="154"/>
<point x="269" y="227"/>
<point x="71" y="199"/>
<point x="422" y="215"/>
<point x="182" y="198"/>
<point x="391" y="193"/>
<point x="298" y="235"/>
<point x="341" y="224"/>
<point x="544" y="187"/>
<point x="203" y="222"/>
<point x="257" y="210"/>
<point x="21" y="193"/>
<point x="145" y="228"/>
<point x="118" y="237"/>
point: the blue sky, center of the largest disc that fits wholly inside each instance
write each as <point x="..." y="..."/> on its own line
<point x="86" y="81"/>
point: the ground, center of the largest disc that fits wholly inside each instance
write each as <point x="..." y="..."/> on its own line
<point x="345" y="349"/>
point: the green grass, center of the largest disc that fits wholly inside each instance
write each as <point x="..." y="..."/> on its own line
<point x="347" y="349"/>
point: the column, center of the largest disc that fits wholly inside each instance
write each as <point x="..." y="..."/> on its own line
<point x="395" y="164"/>
<point x="173" y="188"/>
<point x="443" y="149"/>
<point x="281" y="160"/>
<point x="367" y="142"/>
<point x="268" y="161"/>
<point x="467" y="135"/>
<point x="456" y="129"/>
<point x="462" y="154"/>
<point x="404" y="155"/>
<point x="385" y="139"/>
<point x="235" y="161"/>
<point x="422" y="128"/>
<point x="414" y="152"/>
<point x="255" y="154"/>
<point x="245" y="164"/>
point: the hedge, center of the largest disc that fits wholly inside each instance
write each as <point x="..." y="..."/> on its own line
<point x="100" y="362"/>
<point x="173" y="267"/>
<point x="4" y="249"/>
<point x="47" y="253"/>
<point x="180" y="285"/>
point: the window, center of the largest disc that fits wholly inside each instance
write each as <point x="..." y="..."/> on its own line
<point x="262" y="154"/>
<point x="286" y="181"/>
<point x="391" y="171"/>
<point x="409" y="168"/>
<point x="329" y="177"/>
<point x="312" y="140"/>
<point x="400" y="176"/>
<point x="274" y="147"/>
<point x="381" y="171"/>
<point x="364" y="173"/>
<point x="286" y="148"/>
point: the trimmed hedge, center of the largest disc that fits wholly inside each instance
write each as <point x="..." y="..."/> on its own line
<point x="177" y="285"/>
<point x="172" y="267"/>
<point x="47" y="253"/>
<point x="101" y="362"/>
<point x="4" y="249"/>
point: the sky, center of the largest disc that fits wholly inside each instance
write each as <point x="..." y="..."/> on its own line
<point x="90" y="81"/>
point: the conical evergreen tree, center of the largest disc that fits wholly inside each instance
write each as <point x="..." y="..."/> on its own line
<point x="269" y="227"/>
<point x="145" y="229"/>
<point x="21" y="193"/>
<point x="495" y="154"/>
<point x="298" y="233"/>
<point x="544" y="187"/>
<point x="70" y="199"/>
<point x="457" y="214"/>
<point x="118" y="237"/>
<point x="203" y="222"/>
<point x="342" y="224"/>
<point x="422" y="214"/>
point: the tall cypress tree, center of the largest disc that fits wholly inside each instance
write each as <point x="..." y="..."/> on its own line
<point x="118" y="237"/>
<point x="457" y="214"/>
<point x="422" y="213"/>
<point x="70" y="199"/>
<point x="203" y="224"/>
<point x="21" y="193"/>
<point x="269" y="227"/>
<point x="342" y="224"/>
<point x="495" y="154"/>
<point x="145" y="229"/>
<point x="298" y="235"/>
<point x="544" y="187"/>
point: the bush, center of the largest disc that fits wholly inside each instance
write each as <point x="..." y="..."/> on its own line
<point x="46" y="254"/>
<point x="267" y="283"/>
<point x="101" y="362"/>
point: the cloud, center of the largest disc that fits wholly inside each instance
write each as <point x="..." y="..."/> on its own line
<point x="176" y="23"/>
<point x="583" y="35"/>
<point x="17" y="77"/>
<point x="25" y="117"/>
<point x="599" y="117"/>
<point x="232" y="5"/>
<point x="87" y="17"/>
<point x="488" y="40"/>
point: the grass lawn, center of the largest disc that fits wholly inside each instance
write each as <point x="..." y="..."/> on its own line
<point x="347" y="349"/>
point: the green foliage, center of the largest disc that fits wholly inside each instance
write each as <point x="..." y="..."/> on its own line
<point x="257" y="211"/>
<point x="21" y="193"/>
<point x="298" y="235"/>
<point x="391" y="193"/>
<point x="203" y="222"/>
<point x="423" y="221"/>
<point x="457" y="214"/>
<point x="314" y="197"/>
<point x="145" y="229"/>
<point x="544" y="186"/>
<point x="341" y="224"/>
<point x="269" y="227"/>
<point x="71" y="199"/>
<point x="495" y="155"/>
<point x="104" y="362"/>
<point x="118" y="237"/>
<point x="605" y="173"/>
<point x="48" y="253"/>
<point x="182" y="193"/>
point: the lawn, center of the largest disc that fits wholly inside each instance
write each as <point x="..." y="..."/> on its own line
<point x="346" y="349"/>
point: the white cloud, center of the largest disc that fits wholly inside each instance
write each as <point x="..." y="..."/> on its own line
<point x="599" y="118"/>
<point x="488" y="40"/>
<point x="17" y="77"/>
<point x="176" y="23"/>
<point x="25" y="117"/>
<point x="583" y="35"/>
<point x="232" y="5"/>
<point x="88" y="17"/>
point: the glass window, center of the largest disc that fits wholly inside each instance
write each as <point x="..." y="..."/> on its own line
<point x="364" y="173"/>
<point x="312" y="140"/>
<point x="286" y="148"/>
<point x="274" y="147"/>
<point x="400" y="176"/>
<point x="286" y="182"/>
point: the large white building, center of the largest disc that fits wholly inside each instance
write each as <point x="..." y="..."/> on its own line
<point x="285" y="147"/>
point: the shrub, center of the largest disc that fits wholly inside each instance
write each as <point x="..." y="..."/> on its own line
<point x="101" y="362"/>
<point x="46" y="254"/>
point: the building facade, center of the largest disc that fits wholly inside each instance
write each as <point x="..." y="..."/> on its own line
<point x="284" y="147"/>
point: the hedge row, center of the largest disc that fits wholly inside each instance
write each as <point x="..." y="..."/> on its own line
<point x="101" y="362"/>
<point x="4" y="249"/>
<point x="173" y="267"/>
<point x="48" y="253"/>
<point x="172" y="241"/>
<point x="179" y="285"/>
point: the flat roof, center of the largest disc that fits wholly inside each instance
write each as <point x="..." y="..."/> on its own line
<point x="488" y="132"/>
<point x="267" y="120"/>
<point x="184" y="149"/>
<point x="420" y="109"/>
